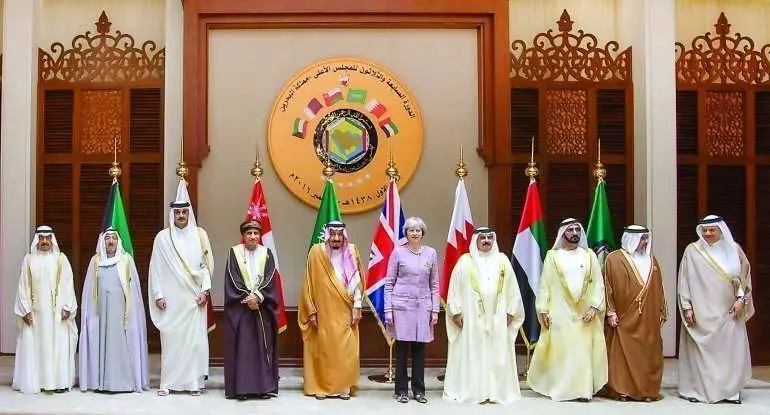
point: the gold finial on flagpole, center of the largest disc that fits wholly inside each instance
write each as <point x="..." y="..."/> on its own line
<point x="460" y="171"/>
<point x="328" y="170"/>
<point x="181" y="168"/>
<point x="256" y="168"/>
<point x="532" y="171"/>
<point x="115" y="170"/>
<point x="391" y="171"/>
<point x="599" y="171"/>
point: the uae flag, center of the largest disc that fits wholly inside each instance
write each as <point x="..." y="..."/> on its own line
<point x="388" y="127"/>
<point x="258" y="211"/>
<point x="458" y="238"/>
<point x="115" y="217"/>
<point x="183" y="195"/>
<point x="599" y="232"/>
<point x="529" y="250"/>
<point x="327" y="212"/>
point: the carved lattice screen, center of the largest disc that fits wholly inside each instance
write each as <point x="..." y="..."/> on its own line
<point x="723" y="148"/>
<point x="566" y="92"/>
<point x="102" y="93"/>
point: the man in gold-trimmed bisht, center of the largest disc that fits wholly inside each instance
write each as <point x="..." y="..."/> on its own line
<point x="113" y="328"/>
<point x="715" y="302"/>
<point x="636" y="309"/>
<point x="251" y="313"/>
<point x="570" y="360"/>
<point x="179" y="284"/>
<point x="484" y="313"/>
<point x="45" y="309"/>
<point x="329" y="312"/>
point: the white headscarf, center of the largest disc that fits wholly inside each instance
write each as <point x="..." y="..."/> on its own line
<point x="43" y="230"/>
<point x="632" y="236"/>
<point x="186" y="240"/>
<point x="480" y="259"/>
<point x="101" y="249"/>
<point x="725" y="250"/>
<point x="559" y="242"/>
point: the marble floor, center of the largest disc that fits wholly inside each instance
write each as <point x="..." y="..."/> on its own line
<point x="374" y="399"/>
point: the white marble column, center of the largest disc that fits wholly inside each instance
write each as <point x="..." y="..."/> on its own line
<point x="172" y="121"/>
<point x="650" y="27"/>
<point x="17" y="153"/>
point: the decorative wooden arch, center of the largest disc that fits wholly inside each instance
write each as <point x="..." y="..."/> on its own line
<point x="100" y="96"/>
<point x="565" y="56"/>
<point x="723" y="149"/>
<point x="566" y="91"/>
<point x="103" y="57"/>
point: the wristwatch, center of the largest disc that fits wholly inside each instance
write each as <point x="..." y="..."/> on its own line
<point x="743" y="299"/>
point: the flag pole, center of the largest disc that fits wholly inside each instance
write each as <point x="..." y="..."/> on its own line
<point x="389" y="377"/>
<point x="461" y="171"/>
<point x="599" y="171"/>
<point x="181" y="168"/>
<point x="532" y="172"/>
<point x="115" y="170"/>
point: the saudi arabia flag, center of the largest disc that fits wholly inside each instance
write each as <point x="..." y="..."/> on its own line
<point x="529" y="250"/>
<point x="599" y="232"/>
<point x="115" y="217"/>
<point x="327" y="212"/>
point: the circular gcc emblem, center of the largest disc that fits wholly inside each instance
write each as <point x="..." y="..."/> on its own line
<point x="354" y="115"/>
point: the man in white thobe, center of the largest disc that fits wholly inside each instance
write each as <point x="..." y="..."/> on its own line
<point x="715" y="302"/>
<point x="484" y="313"/>
<point x="45" y="306"/>
<point x="113" y="329"/>
<point x="179" y="284"/>
<point x="570" y="360"/>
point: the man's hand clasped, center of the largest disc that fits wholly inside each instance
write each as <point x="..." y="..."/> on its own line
<point x="251" y="301"/>
<point x="161" y="303"/>
<point x="355" y="316"/>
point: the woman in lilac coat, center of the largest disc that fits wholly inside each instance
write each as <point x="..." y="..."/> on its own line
<point x="411" y="306"/>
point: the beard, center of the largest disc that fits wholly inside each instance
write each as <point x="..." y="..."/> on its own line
<point x="572" y="239"/>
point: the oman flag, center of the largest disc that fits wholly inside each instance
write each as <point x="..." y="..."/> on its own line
<point x="258" y="211"/>
<point x="529" y="250"/>
<point x="459" y="237"/>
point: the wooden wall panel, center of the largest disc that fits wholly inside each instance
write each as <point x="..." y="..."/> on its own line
<point x="761" y="269"/>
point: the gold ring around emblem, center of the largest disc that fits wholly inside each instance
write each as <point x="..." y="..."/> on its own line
<point x="356" y="112"/>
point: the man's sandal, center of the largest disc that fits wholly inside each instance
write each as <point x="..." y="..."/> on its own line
<point x="195" y="393"/>
<point x="402" y="398"/>
<point x="420" y="398"/>
<point x="163" y="392"/>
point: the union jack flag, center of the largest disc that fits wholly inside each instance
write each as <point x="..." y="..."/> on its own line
<point x="388" y="235"/>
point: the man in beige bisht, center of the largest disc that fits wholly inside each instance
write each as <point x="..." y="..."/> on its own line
<point x="179" y="284"/>
<point x="484" y="313"/>
<point x="715" y="302"/>
<point x="329" y="312"/>
<point x="45" y="307"/>
<point x="636" y="309"/>
<point x="570" y="360"/>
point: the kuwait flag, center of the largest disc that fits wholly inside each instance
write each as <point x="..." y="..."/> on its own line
<point x="529" y="251"/>
<point x="182" y="195"/>
<point x="115" y="217"/>
<point x="258" y="211"/>
<point x="312" y="108"/>
<point x="332" y="97"/>
<point x="357" y="96"/>
<point x="299" y="127"/>
<point x="599" y="232"/>
<point x="375" y="108"/>
<point x="388" y="235"/>
<point x="327" y="212"/>
<point x="459" y="237"/>
<point x="388" y="127"/>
